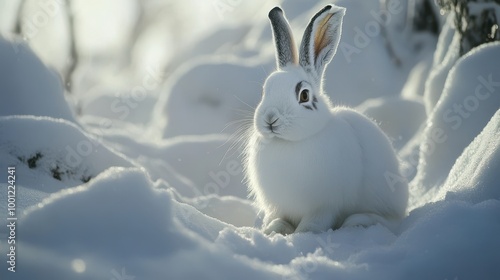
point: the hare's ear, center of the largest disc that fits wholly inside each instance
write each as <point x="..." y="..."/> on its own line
<point x="286" y="51"/>
<point x="321" y="39"/>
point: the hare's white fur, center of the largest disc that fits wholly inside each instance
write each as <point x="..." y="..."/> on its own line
<point x="312" y="166"/>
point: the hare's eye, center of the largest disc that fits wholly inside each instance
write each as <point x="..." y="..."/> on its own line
<point x="304" y="96"/>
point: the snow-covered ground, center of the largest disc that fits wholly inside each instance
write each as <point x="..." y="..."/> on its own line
<point x="137" y="174"/>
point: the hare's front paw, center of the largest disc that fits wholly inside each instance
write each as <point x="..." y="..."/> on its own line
<point x="279" y="225"/>
<point x="363" y="220"/>
<point x="317" y="222"/>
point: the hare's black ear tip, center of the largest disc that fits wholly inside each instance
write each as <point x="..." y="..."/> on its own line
<point x="327" y="8"/>
<point x="274" y="11"/>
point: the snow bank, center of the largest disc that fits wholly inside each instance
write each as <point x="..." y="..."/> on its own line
<point x="135" y="229"/>
<point x="208" y="96"/>
<point x="411" y="115"/>
<point x="52" y="154"/>
<point x="364" y="55"/>
<point x="195" y="165"/>
<point x="446" y="55"/>
<point x="27" y="86"/>
<point x="205" y="170"/>
<point x="448" y="240"/>
<point x="469" y="100"/>
<point x="122" y="105"/>
<point x="364" y="67"/>
<point x="119" y="225"/>
<point x="474" y="176"/>
<point x="414" y="87"/>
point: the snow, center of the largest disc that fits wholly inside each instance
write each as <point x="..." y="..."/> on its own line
<point x="44" y="91"/>
<point x="144" y="237"/>
<point x="446" y="55"/>
<point x="383" y="110"/>
<point x="119" y="231"/>
<point x="477" y="183"/>
<point x="204" y="87"/>
<point x="113" y="184"/>
<point x="468" y="102"/>
<point x="60" y="147"/>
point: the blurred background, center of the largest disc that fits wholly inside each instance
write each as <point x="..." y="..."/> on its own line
<point x="124" y="34"/>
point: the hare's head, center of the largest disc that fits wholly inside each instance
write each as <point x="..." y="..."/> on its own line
<point x="293" y="105"/>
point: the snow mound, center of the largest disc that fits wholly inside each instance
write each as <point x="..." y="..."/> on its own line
<point x="414" y="87"/>
<point x="195" y="165"/>
<point x="411" y="115"/>
<point x="469" y="100"/>
<point x="447" y="240"/>
<point x="117" y="190"/>
<point x="130" y="105"/>
<point x="219" y="92"/>
<point x="53" y="154"/>
<point x="446" y="55"/>
<point x="27" y="86"/>
<point x="474" y="176"/>
<point x="363" y="68"/>
<point x="119" y="225"/>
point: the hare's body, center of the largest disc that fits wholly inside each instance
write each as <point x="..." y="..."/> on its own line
<point x="311" y="166"/>
<point x="297" y="179"/>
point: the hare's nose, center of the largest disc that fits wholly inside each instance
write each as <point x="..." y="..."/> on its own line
<point x="271" y="115"/>
<point x="271" y="123"/>
<point x="271" y="118"/>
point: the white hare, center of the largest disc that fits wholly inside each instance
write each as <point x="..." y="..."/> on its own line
<point x="311" y="166"/>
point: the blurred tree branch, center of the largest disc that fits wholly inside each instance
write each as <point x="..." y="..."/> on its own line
<point x="73" y="53"/>
<point x="425" y="19"/>
<point x="475" y="20"/>
<point x="420" y="17"/>
<point x="19" y="17"/>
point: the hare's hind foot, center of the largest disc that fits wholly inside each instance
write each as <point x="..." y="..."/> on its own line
<point x="280" y="226"/>
<point x="370" y="219"/>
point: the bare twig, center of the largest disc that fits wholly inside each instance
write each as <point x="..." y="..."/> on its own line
<point x="388" y="45"/>
<point x="19" y="18"/>
<point x="73" y="59"/>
